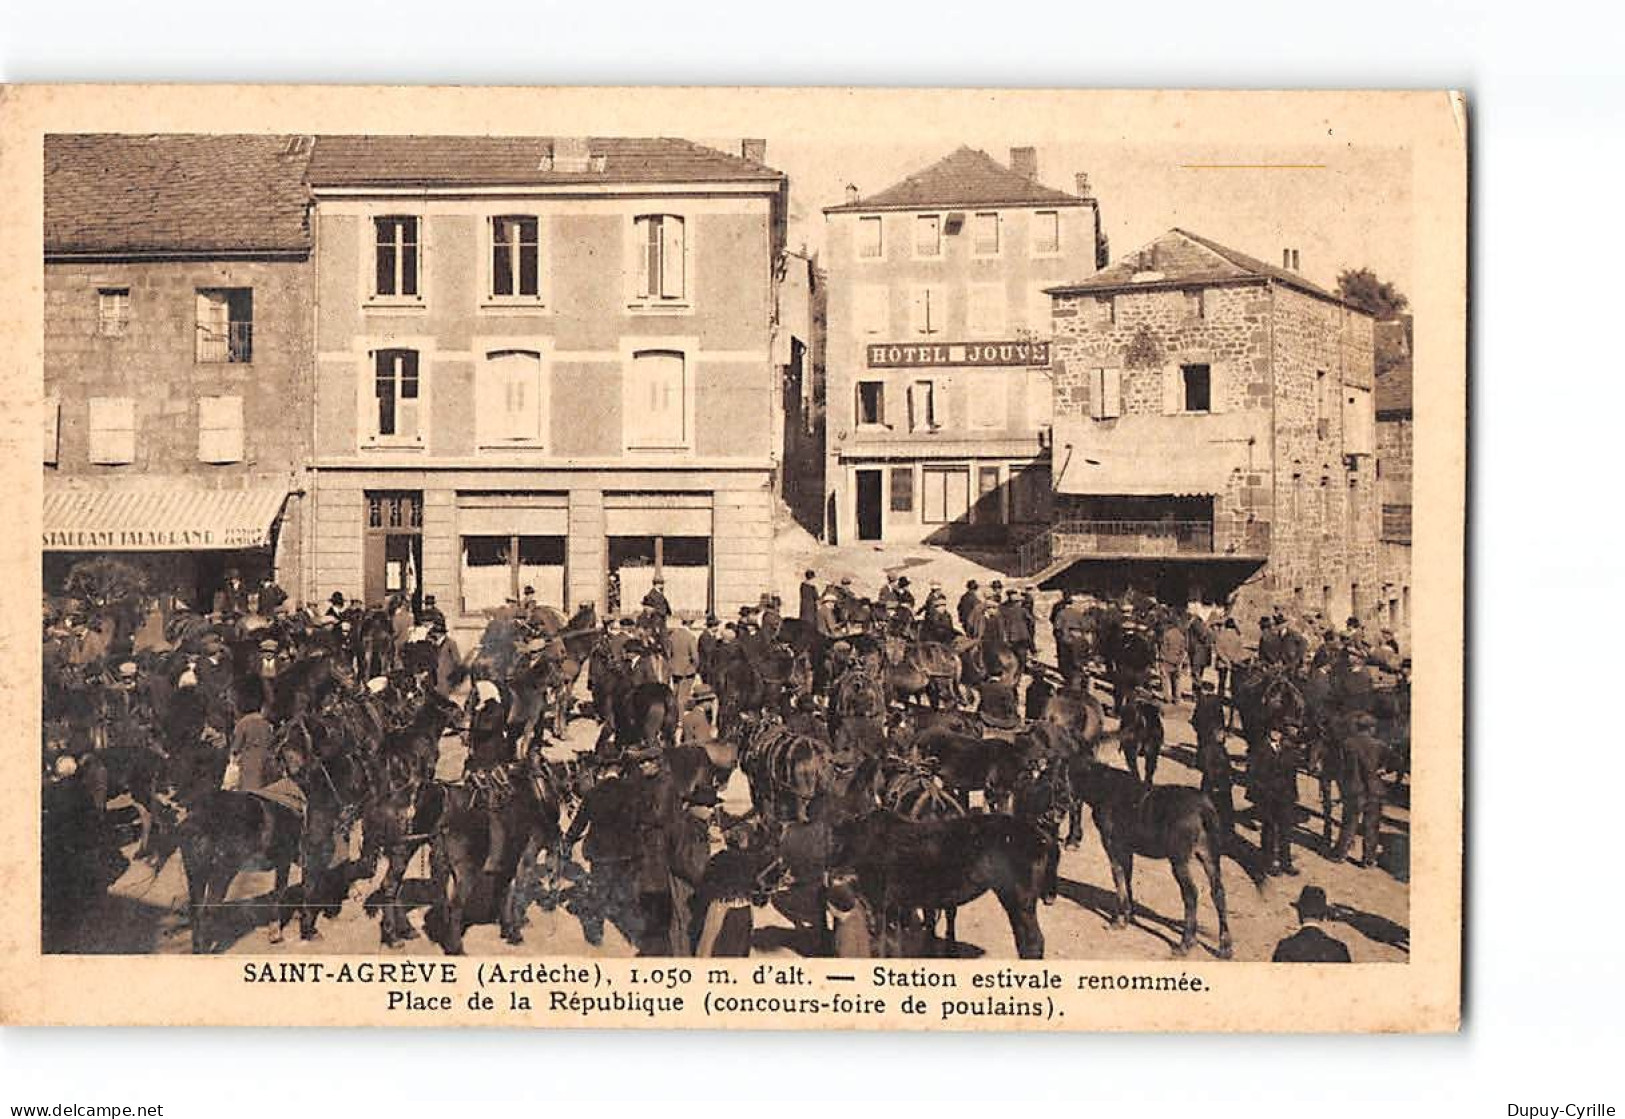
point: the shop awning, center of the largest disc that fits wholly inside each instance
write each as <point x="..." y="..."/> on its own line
<point x="1150" y="456"/>
<point x="159" y="520"/>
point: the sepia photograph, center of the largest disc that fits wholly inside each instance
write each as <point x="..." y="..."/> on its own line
<point x="797" y="548"/>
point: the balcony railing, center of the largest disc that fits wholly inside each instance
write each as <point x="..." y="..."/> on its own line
<point x="1135" y="538"/>
<point x="231" y="342"/>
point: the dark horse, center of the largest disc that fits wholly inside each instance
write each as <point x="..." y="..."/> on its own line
<point x="225" y="832"/>
<point x="395" y="819"/>
<point x="1170" y="822"/>
<point x="943" y="864"/>
<point x="529" y="810"/>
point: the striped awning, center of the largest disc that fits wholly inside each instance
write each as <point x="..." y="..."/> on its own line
<point x="166" y="520"/>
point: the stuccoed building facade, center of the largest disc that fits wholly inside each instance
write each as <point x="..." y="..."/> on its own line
<point x="177" y="357"/>
<point x="544" y="362"/>
<point x="937" y="356"/>
<point x="1214" y="436"/>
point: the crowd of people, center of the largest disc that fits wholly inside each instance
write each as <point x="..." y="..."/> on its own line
<point x="202" y="699"/>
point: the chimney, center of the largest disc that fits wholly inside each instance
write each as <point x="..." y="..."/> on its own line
<point x="1081" y="185"/>
<point x="1024" y="162"/>
<point x="851" y="194"/>
<point x="1289" y="259"/>
<point x="753" y="150"/>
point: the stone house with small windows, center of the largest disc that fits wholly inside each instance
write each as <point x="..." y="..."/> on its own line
<point x="545" y="362"/>
<point x="938" y="398"/>
<point x="1215" y="435"/>
<point x="178" y="312"/>
<point x="1396" y="433"/>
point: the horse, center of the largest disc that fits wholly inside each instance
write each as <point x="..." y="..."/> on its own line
<point x="1141" y="732"/>
<point x="395" y="819"/>
<point x="1170" y="822"/>
<point x="788" y="772"/>
<point x="943" y="864"/>
<point x="222" y="834"/>
<point x="922" y="668"/>
<point x="529" y="810"/>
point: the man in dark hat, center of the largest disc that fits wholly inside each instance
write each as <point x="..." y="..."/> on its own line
<point x="1311" y="945"/>
<point x="809" y="598"/>
<point x="1017" y="626"/>
<point x="431" y="614"/>
<point x="969" y="602"/>
<point x="1212" y="759"/>
<point x="707" y="646"/>
<point x="905" y="597"/>
<point x="1071" y="628"/>
<point x="684" y="647"/>
<point x="656" y="603"/>
<point x="1271" y="647"/>
<point x="1228" y="652"/>
<point x="231" y="600"/>
<point x="1272" y="786"/>
<point x="1363" y="790"/>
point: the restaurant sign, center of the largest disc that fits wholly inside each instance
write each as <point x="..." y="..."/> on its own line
<point x="145" y="539"/>
<point x="916" y="355"/>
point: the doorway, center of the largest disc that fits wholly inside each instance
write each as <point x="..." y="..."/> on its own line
<point x="868" y="505"/>
<point x="393" y="559"/>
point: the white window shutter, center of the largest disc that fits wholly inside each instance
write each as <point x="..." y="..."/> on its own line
<point x="636" y="263"/>
<point x="112" y="430"/>
<point x="1173" y="391"/>
<point x="1097" y="394"/>
<point x="1215" y="388"/>
<point x="916" y="311"/>
<point x="53" y="413"/>
<point x="672" y="252"/>
<point x="939" y="404"/>
<point x="1112" y="384"/>
<point x="220" y="429"/>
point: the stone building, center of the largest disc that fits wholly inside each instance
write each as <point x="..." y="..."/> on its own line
<point x="1395" y="433"/>
<point x="1214" y="435"/>
<point x="177" y="356"/>
<point x="545" y="362"/>
<point x="937" y="360"/>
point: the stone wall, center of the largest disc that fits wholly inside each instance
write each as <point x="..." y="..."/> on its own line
<point x="154" y="362"/>
<point x="1148" y="336"/>
<point x="1270" y="349"/>
<point x="1325" y="549"/>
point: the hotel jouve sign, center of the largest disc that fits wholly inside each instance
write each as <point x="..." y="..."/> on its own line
<point x="916" y="355"/>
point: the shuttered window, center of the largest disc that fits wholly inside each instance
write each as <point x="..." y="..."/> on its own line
<point x="986" y="313"/>
<point x="657" y="418"/>
<point x="870" y="245"/>
<point x="662" y="246"/>
<point x="112" y="430"/>
<point x="1046" y="232"/>
<point x="871" y="309"/>
<point x="1106" y="394"/>
<point x="397" y="390"/>
<point x="512" y="399"/>
<point x="220" y="429"/>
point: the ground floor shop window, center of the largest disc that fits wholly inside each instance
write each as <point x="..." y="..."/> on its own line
<point x="684" y="562"/>
<point x="945" y="494"/>
<point x="497" y="568"/>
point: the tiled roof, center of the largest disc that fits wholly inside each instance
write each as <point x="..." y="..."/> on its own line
<point x="1180" y="257"/>
<point x="965" y="177"/>
<point x="389" y="161"/>
<point x="123" y="194"/>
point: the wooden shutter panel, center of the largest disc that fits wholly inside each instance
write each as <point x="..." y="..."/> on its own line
<point x="220" y="429"/>
<point x="112" y="430"/>
<point x="671" y="257"/>
<point x="1112" y="392"/>
<point x="52" y="433"/>
<point x="1215" y="387"/>
<point x="1173" y="391"/>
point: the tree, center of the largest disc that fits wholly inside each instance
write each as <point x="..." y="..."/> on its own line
<point x="103" y="581"/>
<point x="1367" y="291"/>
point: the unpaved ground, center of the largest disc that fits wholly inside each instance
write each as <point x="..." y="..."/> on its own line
<point x="1370" y="906"/>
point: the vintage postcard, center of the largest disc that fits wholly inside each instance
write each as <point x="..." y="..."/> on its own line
<point x="733" y="558"/>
